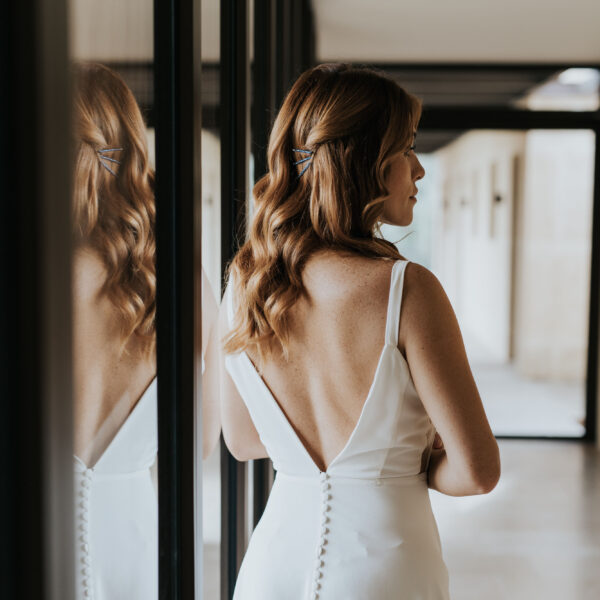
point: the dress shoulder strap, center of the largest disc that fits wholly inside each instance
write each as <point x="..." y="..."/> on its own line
<point x="395" y="302"/>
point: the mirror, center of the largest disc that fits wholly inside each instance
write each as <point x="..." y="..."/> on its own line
<point x="114" y="282"/>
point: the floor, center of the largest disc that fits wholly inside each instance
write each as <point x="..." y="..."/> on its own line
<point x="524" y="407"/>
<point x="536" y="536"/>
<point x="520" y="406"/>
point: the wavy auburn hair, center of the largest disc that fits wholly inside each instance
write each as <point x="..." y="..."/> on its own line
<point x="354" y="121"/>
<point x="114" y="212"/>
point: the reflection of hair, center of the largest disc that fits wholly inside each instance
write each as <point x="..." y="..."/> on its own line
<point x="114" y="212"/>
<point x="354" y="121"/>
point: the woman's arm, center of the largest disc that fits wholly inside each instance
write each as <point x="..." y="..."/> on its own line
<point x="239" y="432"/>
<point x="469" y="462"/>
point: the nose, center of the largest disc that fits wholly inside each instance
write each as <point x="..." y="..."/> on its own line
<point x="418" y="171"/>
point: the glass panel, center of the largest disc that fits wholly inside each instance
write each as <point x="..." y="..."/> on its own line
<point x="504" y="219"/>
<point x="211" y="293"/>
<point x="115" y="436"/>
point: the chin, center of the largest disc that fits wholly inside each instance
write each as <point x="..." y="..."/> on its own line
<point x="397" y="220"/>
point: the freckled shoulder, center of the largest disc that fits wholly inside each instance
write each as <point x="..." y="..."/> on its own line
<point x="349" y="280"/>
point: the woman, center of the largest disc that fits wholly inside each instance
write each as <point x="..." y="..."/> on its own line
<point x="342" y="359"/>
<point x="114" y="357"/>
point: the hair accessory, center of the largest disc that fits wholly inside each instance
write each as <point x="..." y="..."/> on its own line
<point x="303" y="160"/>
<point x="102" y="153"/>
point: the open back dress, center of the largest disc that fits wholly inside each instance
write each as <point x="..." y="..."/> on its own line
<point x="363" y="529"/>
<point x="116" y="512"/>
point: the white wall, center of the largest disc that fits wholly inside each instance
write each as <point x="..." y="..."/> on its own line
<point x="535" y="315"/>
<point x="553" y="250"/>
<point x="474" y="243"/>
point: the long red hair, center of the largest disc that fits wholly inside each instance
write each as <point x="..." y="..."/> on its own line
<point x="113" y="203"/>
<point x="353" y="121"/>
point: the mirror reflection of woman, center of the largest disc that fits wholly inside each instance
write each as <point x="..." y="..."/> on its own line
<point x="342" y="359"/>
<point x="114" y="358"/>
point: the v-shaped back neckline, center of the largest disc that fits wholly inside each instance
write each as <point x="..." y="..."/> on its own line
<point x="386" y="345"/>
<point x="133" y="414"/>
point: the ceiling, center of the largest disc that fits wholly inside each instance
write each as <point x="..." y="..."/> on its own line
<point x="515" y="31"/>
<point x="497" y="88"/>
<point x="440" y="31"/>
<point x="519" y="44"/>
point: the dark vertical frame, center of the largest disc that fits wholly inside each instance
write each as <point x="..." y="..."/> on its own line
<point x="36" y="536"/>
<point x="593" y="366"/>
<point x="294" y="43"/>
<point x="283" y="25"/>
<point x="263" y="114"/>
<point x="284" y="46"/>
<point x="176" y="77"/>
<point x="234" y="119"/>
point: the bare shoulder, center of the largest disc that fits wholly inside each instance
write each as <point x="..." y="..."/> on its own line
<point x="346" y="277"/>
<point x="426" y="309"/>
<point x="420" y="283"/>
<point x="88" y="277"/>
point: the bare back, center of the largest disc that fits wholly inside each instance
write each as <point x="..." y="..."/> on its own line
<point x="336" y="339"/>
<point x="106" y="386"/>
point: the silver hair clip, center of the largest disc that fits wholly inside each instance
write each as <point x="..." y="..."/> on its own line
<point x="303" y="160"/>
<point x="102" y="153"/>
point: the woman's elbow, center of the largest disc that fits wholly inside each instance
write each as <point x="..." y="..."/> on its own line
<point x="241" y="449"/>
<point x="239" y="453"/>
<point x="487" y="476"/>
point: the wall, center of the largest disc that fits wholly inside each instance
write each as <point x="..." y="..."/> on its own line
<point x="473" y="249"/>
<point x="513" y="246"/>
<point x="553" y="249"/>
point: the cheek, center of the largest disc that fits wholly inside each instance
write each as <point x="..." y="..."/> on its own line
<point x="399" y="178"/>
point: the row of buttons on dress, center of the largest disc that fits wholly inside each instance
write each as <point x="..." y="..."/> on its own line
<point x="83" y="532"/>
<point x="325" y="507"/>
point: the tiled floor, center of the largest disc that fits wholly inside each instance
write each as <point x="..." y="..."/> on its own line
<point x="536" y="536"/>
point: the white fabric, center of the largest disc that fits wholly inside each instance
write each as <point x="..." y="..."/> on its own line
<point x="364" y="529"/>
<point x="116" y="513"/>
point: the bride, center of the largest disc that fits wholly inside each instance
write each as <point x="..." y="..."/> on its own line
<point x="342" y="361"/>
<point x="114" y="358"/>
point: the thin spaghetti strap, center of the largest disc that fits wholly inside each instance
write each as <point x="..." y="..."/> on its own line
<point x="395" y="302"/>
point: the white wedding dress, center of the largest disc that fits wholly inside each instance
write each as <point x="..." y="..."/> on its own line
<point x="116" y="513"/>
<point x="363" y="529"/>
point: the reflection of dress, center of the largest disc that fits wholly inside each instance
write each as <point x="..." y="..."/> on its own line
<point x="363" y="529"/>
<point x="116" y="513"/>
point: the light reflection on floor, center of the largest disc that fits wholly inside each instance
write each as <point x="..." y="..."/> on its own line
<point x="537" y="535"/>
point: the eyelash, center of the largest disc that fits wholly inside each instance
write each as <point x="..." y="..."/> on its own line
<point x="409" y="150"/>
